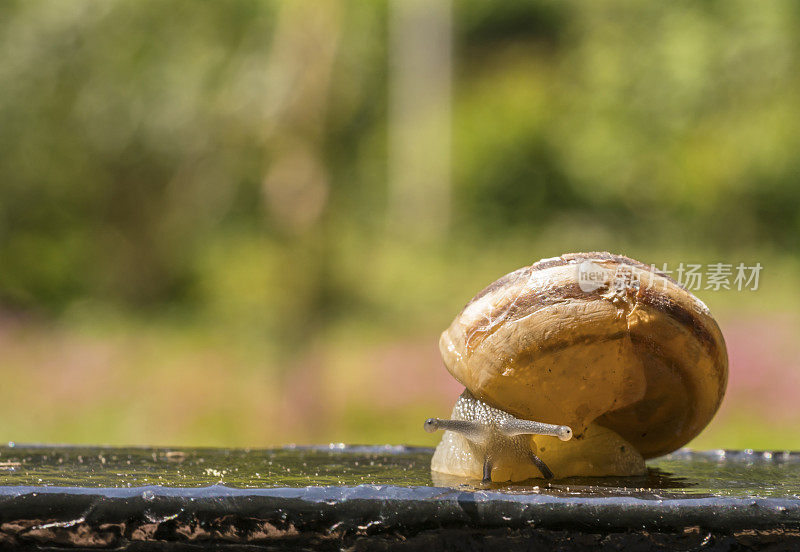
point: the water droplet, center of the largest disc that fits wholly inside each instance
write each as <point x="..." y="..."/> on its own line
<point x="148" y="495"/>
<point x="335" y="526"/>
<point x="368" y="525"/>
<point x="155" y="518"/>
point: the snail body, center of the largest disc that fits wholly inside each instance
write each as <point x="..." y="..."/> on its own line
<point x="594" y="345"/>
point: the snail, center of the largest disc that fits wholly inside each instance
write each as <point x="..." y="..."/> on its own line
<point x="585" y="364"/>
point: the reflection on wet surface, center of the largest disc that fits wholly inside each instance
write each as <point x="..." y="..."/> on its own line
<point x="737" y="474"/>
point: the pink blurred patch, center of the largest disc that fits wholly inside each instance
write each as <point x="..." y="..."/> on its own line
<point x="411" y="372"/>
<point x="304" y="399"/>
<point x="764" y="375"/>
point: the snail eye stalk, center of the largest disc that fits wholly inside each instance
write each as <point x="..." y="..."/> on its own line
<point x="514" y="426"/>
<point x="471" y="430"/>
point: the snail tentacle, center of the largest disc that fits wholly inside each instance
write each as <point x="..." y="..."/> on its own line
<point x="487" y="470"/>
<point x="512" y="426"/>
<point x="539" y="463"/>
<point x="473" y="431"/>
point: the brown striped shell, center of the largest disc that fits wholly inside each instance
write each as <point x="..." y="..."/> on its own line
<point x="593" y="337"/>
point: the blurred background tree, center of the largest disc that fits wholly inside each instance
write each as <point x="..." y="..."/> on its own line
<point x="245" y="223"/>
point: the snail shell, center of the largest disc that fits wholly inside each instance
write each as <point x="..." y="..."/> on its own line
<point x="593" y="339"/>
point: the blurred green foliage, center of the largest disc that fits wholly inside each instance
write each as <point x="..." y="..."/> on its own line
<point x="136" y="137"/>
<point x="145" y="146"/>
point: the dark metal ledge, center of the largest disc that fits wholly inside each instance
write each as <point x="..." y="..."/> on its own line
<point x="668" y="510"/>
